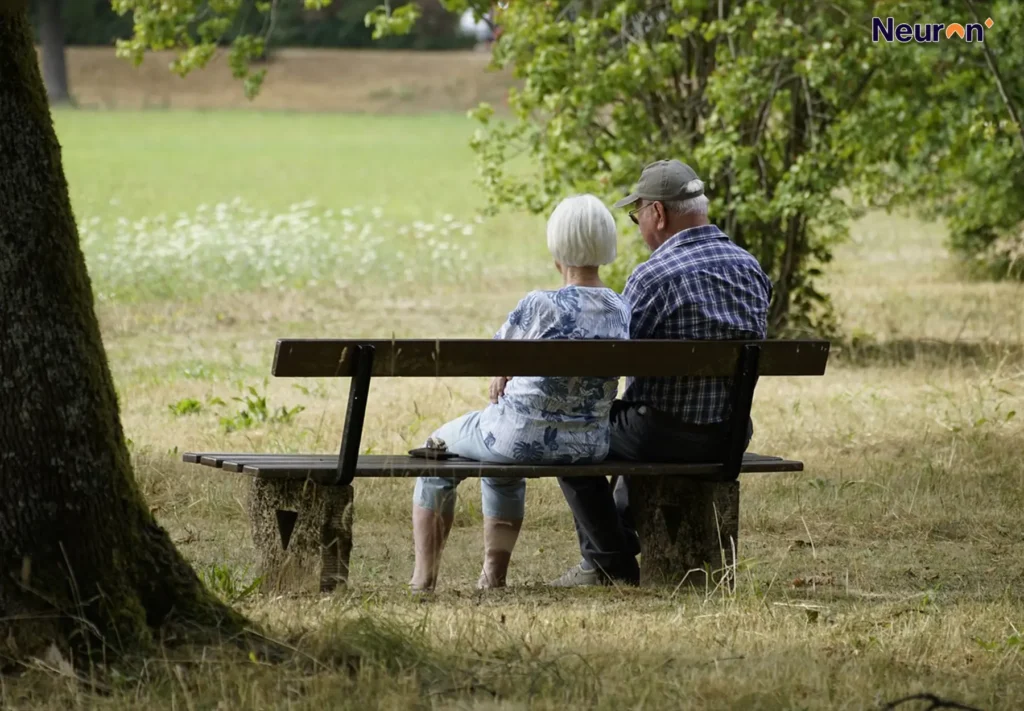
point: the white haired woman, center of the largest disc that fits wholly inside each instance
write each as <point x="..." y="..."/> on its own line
<point x="562" y="420"/>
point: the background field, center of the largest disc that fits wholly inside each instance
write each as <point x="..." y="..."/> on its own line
<point x="297" y="80"/>
<point x="892" y="565"/>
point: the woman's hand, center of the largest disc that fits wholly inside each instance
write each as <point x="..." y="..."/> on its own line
<point x="497" y="388"/>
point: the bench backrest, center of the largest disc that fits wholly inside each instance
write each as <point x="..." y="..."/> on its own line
<point x="325" y="358"/>
<point x="361" y="360"/>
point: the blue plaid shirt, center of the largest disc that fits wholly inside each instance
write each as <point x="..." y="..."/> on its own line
<point x="698" y="285"/>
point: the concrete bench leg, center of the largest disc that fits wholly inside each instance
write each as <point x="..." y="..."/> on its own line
<point x="302" y="533"/>
<point x="687" y="528"/>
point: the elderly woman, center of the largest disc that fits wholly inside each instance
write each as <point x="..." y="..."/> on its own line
<point x="563" y="420"/>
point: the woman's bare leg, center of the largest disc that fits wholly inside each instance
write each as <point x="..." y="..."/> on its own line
<point x="500" y="537"/>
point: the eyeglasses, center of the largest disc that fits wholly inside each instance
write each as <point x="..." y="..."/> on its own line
<point x="632" y="213"/>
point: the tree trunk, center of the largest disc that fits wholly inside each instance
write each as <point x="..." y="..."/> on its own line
<point x="51" y="36"/>
<point x="82" y="561"/>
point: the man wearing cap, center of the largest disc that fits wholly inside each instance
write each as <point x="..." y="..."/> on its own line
<point x="696" y="285"/>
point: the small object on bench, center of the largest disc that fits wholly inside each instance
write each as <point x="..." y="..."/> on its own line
<point x="687" y="514"/>
<point x="434" y="449"/>
<point x="429" y="453"/>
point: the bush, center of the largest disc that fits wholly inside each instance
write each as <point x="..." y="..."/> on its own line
<point x="610" y="87"/>
<point x="986" y="220"/>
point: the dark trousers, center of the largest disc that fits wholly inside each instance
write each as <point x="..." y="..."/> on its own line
<point x="604" y="526"/>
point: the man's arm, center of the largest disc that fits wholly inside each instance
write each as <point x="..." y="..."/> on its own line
<point x="644" y="304"/>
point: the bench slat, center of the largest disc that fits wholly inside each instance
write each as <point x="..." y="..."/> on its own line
<point x="194" y="457"/>
<point x="220" y="460"/>
<point x="321" y="468"/>
<point x="295" y="358"/>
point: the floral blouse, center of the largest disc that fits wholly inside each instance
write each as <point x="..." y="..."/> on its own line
<point x="559" y="419"/>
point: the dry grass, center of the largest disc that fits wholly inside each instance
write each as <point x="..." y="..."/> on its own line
<point x="892" y="565"/>
<point x="297" y="80"/>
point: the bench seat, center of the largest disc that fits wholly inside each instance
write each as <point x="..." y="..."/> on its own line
<point x="322" y="468"/>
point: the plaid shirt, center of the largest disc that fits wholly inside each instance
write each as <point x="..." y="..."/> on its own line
<point x="698" y="285"/>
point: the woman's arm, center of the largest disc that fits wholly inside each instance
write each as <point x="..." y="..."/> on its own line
<point x="518" y="319"/>
<point x="513" y="328"/>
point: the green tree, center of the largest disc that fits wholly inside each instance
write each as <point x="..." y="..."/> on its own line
<point x="753" y="95"/>
<point x="946" y="133"/>
<point x="751" y="101"/>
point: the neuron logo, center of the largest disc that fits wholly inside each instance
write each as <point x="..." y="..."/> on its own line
<point x="888" y="30"/>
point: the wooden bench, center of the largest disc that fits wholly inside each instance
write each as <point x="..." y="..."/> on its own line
<point x="687" y="515"/>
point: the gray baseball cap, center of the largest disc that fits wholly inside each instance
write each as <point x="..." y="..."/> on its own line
<point x="663" y="180"/>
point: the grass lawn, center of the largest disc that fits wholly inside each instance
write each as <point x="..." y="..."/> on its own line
<point x="893" y="565"/>
<point x="152" y="162"/>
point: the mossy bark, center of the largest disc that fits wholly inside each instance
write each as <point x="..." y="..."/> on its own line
<point x="82" y="561"/>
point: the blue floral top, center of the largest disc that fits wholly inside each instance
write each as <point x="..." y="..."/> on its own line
<point x="560" y="419"/>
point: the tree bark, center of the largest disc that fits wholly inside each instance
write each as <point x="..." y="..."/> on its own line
<point x="82" y="561"/>
<point x="51" y="36"/>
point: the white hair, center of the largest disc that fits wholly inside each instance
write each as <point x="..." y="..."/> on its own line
<point x="695" y="205"/>
<point x="581" y="232"/>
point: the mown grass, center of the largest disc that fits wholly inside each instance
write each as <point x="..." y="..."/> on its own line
<point x="894" y="564"/>
<point x="152" y="162"/>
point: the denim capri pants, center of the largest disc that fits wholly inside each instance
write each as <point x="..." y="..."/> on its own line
<point x="503" y="497"/>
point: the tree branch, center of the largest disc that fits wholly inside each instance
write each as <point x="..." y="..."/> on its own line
<point x="268" y="27"/>
<point x="728" y="37"/>
<point x="766" y="106"/>
<point x="990" y="58"/>
<point x="810" y="111"/>
<point x="862" y="86"/>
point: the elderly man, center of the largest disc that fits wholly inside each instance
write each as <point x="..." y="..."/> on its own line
<point x="697" y="284"/>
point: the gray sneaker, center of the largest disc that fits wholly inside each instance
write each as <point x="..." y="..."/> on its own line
<point x="576" y="577"/>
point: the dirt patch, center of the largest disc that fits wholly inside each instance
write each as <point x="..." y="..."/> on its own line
<point x="362" y="81"/>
